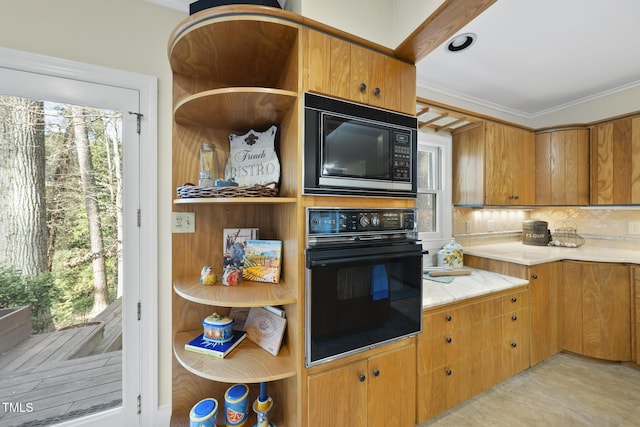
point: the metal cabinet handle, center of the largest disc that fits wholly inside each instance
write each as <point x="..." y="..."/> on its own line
<point x="376" y="91"/>
<point x="449" y="372"/>
<point x="514" y="299"/>
<point x="363" y="87"/>
<point x="362" y="378"/>
<point x="376" y="373"/>
<point x="448" y="340"/>
<point x="514" y="317"/>
<point x="447" y="318"/>
<point x="514" y="345"/>
<point x="535" y="276"/>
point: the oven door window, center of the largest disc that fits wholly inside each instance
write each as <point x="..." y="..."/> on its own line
<point x="357" y="303"/>
<point x="354" y="148"/>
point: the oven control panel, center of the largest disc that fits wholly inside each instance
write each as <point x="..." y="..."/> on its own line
<point x="359" y="220"/>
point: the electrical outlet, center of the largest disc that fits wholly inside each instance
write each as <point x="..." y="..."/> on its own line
<point x="468" y="227"/>
<point x="491" y="225"/>
<point x="183" y="222"/>
<point x="634" y="227"/>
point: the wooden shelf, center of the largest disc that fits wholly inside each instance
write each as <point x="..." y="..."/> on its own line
<point x="238" y="200"/>
<point x="235" y="108"/>
<point x="241" y="51"/>
<point x="246" y="294"/>
<point x="247" y="363"/>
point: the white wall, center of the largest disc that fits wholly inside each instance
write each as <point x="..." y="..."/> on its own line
<point x="130" y="35"/>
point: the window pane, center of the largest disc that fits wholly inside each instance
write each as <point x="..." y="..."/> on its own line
<point x="428" y="163"/>
<point x="426" y="204"/>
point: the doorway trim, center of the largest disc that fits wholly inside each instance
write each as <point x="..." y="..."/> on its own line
<point x="147" y="87"/>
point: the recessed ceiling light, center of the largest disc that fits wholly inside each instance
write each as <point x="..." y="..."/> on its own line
<point x="461" y="42"/>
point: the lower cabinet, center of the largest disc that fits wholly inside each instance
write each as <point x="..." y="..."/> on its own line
<point x="545" y="283"/>
<point x="636" y="336"/>
<point x="468" y="347"/>
<point x="596" y="299"/>
<point x="374" y="391"/>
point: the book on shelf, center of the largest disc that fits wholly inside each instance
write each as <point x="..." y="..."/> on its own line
<point x="234" y="241"/>
<point x="220" y="350"/>
<point x="266" y="329"/>
<point x="262" y="261"/>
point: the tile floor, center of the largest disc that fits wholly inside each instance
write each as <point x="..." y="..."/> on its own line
<point x="564" y="390"/>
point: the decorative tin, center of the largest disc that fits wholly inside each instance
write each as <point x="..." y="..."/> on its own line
<point x="217" y="328"/>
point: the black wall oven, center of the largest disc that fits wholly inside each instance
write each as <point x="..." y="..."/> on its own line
<point x="363" y="280"/>
<point x="354" y="149"/>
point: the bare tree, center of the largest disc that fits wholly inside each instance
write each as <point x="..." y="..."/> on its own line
<point x="23" y="226"/>
<point x="101" y="293"/>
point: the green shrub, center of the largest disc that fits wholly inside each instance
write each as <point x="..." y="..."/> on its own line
<point x="38" y="292"/>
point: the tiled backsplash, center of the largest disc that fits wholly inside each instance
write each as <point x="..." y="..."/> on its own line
<point x="595" y="223"/>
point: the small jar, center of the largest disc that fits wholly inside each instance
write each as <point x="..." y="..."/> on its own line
<point x="451" y="255"/>
<point x="208" y="165"/>
<point x="218" y="328"/>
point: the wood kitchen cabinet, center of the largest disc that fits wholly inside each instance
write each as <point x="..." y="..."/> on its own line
<point x="635" y="338"/>
<point x="615" y="162"/>
<point x="562" y="167"/>
<point x="346" y="70"/>
<point x="596" y="299"/>
<point x="545" y="287"/>
<point x="507" y="157"/>
<point x="374" y="391"/>
<point x="469" y="346"/>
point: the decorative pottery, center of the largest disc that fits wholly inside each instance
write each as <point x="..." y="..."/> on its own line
<point x="217" y="328"/>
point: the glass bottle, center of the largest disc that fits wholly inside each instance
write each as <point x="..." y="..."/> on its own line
<point x="208" y="165"/>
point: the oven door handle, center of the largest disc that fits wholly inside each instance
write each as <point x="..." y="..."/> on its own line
<point x="327" y="259"/>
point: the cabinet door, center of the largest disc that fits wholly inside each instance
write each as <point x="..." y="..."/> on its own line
<point x="391" y="381"/>
<point x="615" y="162"/>
<point x="636" y="337"/>
<point x="509" y="165"/>
<point x="606" y="311"/>
<point x="572" y="306"/>
<point x="545" y="297"/>
<point x="562" y="167"/>
<point x="339" y="397"/>
<point x="329" y="65"/>
<point x="468" y="166"/>
<point x="399" y="91"/>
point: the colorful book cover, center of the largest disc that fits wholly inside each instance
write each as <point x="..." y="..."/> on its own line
<point x="234" y="241"/>
<point x="203" y="346"/>
<point x="262" y="261"/>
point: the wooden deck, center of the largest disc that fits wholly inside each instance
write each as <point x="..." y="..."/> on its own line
<point x="53" y="377"/>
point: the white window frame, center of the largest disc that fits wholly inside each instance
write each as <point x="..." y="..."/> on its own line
<point x="441" y="142"/>
<point x="66" y="74"/>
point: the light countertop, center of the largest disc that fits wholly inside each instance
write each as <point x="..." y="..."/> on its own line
<point x="480" y="282"/>
<point x="518" y="253"/>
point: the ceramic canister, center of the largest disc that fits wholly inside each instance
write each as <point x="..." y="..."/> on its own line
<point x="236" y="405"/>
<point x="204" y="413"/>
<point x="451" y="255"/>
<point x="217" y="328"/>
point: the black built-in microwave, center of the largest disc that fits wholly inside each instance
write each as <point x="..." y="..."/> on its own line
<point x="357" y="150"/>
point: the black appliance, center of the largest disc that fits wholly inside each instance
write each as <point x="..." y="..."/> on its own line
<point x="363" y="280"/>
<point x="199" y="5"/>
<point x="354" y="149"/>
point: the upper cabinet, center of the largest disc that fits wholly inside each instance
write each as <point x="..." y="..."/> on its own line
<point x="615" y="162"/>
<point x="494" y="164"/>
<point x="562" y="167"/>
<point x="339" y="68"/>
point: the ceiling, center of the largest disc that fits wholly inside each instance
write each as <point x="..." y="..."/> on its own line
<point x="533" y="57"/>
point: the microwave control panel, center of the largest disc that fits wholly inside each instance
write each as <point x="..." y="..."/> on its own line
<point x="401" y="156"/>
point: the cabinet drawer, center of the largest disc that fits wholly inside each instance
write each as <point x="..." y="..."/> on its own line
<point x="515" y="301"/>
<point x="444" y="321"/>
<point x="437" y="351"/>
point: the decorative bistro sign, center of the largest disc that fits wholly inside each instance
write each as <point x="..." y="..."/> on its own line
<point x="252" y="158"/>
